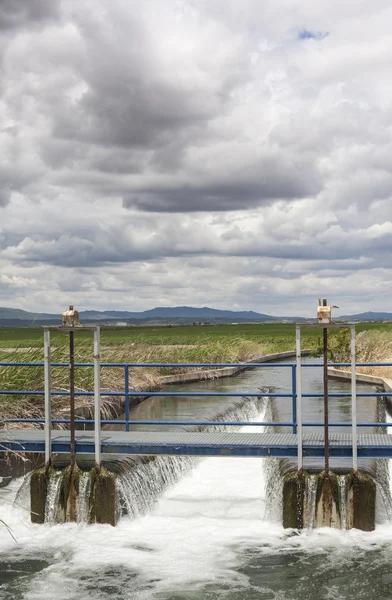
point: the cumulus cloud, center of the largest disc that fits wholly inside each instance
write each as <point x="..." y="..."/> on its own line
<point x="16" y="15"/>
<point x="204" y="153"/>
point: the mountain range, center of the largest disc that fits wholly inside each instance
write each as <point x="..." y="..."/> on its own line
<point x="163" y="315"/>
<point x="177" y="314"/>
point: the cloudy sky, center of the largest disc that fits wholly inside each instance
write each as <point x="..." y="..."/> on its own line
<point x="229" y="153"/>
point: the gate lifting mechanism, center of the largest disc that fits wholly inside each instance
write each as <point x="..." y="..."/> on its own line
<point x="70" y="323"/>
<point x="324" y="321"/>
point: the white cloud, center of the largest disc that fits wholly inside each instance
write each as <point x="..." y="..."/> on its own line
<point x="195" y="153"/>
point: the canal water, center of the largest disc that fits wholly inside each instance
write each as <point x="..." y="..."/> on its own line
<point x="211" y="535"/>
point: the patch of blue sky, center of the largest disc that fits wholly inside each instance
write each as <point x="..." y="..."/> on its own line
<point x="307" y="34"/>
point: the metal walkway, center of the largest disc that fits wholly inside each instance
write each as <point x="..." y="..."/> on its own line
<point x="186" y="443"/>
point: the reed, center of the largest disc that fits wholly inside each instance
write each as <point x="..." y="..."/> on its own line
<point x="375" y="346"/>
<point x="112" y="378"/>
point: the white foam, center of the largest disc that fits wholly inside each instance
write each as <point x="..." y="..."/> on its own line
<point x="196" y="534"/>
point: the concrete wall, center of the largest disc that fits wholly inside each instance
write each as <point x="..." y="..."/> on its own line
<point x="202" y="375"/>
<point x="343" y="375"/>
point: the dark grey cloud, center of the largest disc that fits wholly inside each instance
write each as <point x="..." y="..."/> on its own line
<point x="15" y="14"/>
<point x="131" y="113"/>
<point x="132" y="99"/>
<point x="5" y="196"/>
<point x="81" y="245"/>
<point x="261" y="186"/>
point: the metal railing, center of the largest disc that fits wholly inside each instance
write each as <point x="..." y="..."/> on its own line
<point x="294" y="393"/>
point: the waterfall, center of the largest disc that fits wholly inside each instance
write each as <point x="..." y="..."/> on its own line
<point x="310" y="500"/>
<point x="22" y="498"/>
<point x="342" y="481"/>
<point x="383" y="498"/>
<point x="141" y="482"/>
<point x="83" y="500"/>
<point x="52" y="498"/>
<point x="273" y="490"/>
<point x="272" y="470"/>
<point x="139" y="488"/>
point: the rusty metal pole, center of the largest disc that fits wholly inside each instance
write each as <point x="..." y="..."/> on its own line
<point x="72" y="394"/>
<point x="326" y="441"/>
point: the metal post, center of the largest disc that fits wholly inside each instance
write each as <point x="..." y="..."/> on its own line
<point x="354" y="400"/>
<point x="299" y="397"/>
<point x="97" y="398"/>
<point x="294" y="397"/>
<point x="126" y="392"/>
<point x="326" y="432"/>
<point x="48" y="417"/>
<point x="72" y="394"/>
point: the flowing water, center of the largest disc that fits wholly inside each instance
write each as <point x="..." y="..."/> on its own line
<point x="213" y="533"/>
<point x="310" y="498"/>
<point x="82" y="507"/>
<point x="342" y="480"/>
<point x="52" y="499"/>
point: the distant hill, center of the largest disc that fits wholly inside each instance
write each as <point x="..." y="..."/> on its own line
<point x="177" y="314"/>
<point x="16" y="313"/>
<point x="367" y="316"/>
<point x="188" y="312"/>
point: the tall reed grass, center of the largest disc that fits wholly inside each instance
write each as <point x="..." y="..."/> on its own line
<point x="374" y="346"/>
<point x="112" y="378"/>
<point x="371" y="346"/>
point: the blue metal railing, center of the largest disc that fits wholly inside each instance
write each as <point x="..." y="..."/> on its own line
<point x="128" y="394"/>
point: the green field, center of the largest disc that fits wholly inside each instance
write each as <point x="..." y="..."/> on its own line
<point x="279" y="336"/>
<point x="176" y="344"/>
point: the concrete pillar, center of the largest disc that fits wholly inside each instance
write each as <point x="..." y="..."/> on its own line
<point x="70" y="491"/>
<point x="327" y="507"/>
<point x="293" y="500"/>
<point x="359" y="501"/>
<point x="38" y="491"/>
<point x="103" y="500"/>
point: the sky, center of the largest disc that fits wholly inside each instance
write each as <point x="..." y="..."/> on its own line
<point x="227" y="153"/>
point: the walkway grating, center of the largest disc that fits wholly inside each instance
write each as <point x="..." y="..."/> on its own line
<point x="199" y="443"/>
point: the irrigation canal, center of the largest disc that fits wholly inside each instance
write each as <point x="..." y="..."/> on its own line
<point x="199" y="528"/>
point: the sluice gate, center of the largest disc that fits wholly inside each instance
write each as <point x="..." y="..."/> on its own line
<point x="322" y="498"/>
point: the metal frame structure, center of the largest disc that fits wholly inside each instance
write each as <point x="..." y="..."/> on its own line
<point x="325" y="327"/>
<point x="37" y="441"/>
<point x="48" y="392"/>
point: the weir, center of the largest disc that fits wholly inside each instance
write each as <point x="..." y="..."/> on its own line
<point x="126" y="485"/>
<point x="140" y="480"/>
<point x="98" y="488"/>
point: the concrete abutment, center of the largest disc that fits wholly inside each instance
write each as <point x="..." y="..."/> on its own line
<point x="101" y="495"/>
<point x="342" y="504"/>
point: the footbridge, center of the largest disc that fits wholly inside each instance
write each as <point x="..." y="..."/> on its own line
<point x="191" y="443"/>
<point x="93" y="435"/>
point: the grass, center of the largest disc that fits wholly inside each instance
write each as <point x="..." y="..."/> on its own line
<point x="375" y="346"/>
<point x="372" y="346"/>
<point x="185" y="344"/>
<point x="276" y="336"/>
<point x="112" y="379"/>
